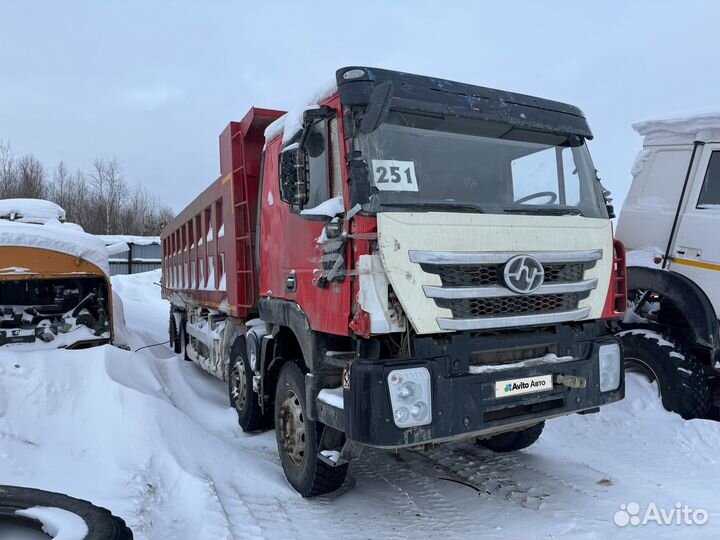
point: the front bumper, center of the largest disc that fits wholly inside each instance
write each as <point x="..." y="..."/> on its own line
<point x="463" y="403"/>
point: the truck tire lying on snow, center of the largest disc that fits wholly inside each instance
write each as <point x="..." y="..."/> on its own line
<point x="513" y="440"/>
<point x="683" y="384"/>
<point x="57" y="515"/>
<point x="240" y="390"/>
<point x="298" y="438"/>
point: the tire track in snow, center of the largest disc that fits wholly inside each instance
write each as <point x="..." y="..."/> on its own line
<point x="417" y="497"/>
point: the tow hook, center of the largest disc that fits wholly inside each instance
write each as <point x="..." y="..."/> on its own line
<point x="571" y="381"/>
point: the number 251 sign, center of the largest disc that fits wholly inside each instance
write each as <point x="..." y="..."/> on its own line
<point x="391" y="175"/>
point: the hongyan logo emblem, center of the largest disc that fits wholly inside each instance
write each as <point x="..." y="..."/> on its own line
<point x="525" y="385"/>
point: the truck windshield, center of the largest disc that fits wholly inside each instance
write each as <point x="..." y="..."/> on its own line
<point x="418" y="162"/>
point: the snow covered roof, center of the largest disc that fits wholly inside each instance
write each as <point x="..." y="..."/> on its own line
<point x="290" y="123"/>
<point x="55" y="236"/>
<point x="30" y="210"/>
<point x="111" y="239"/>
<point x="681" y="128"/>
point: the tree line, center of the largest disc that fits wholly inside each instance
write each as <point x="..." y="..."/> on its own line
<point x="100" y="200"/>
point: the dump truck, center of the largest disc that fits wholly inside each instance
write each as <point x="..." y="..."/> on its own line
<point x="668" y="221"/>
<point x="398" y="262"/>
<point x="54" y="280"/>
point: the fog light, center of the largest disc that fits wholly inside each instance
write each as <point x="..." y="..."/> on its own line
<point x="407" y="390"/>
<point x="410" y="396"/>
<point x="610" y="363"/>
<point x="401" y="415"/>
<point x="419" y="410"/>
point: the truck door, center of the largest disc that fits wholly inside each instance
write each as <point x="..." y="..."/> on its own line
<point x="696" y="248"/>
<point x="328" y="306"/>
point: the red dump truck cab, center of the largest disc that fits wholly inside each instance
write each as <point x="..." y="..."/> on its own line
<point x="400" y="261"/>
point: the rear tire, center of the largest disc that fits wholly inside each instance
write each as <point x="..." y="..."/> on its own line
<point x="174" y="342"/>
<point x="242" y="397"/>
<point x="682" y="381"/>
<point x="513" y="440"/>
<point x="183" y="339"/>
<point x="298" y="438"/>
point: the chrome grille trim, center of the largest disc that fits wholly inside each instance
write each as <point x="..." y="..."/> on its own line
<point x="432" y="291"/>
<point x="479" y="257"/>
<point x="513" y="321"/>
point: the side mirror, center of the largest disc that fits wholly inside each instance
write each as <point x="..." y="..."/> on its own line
<point x="377" y="108"/>
<point x="607" y="196"/>
<point x="292" y="175"/>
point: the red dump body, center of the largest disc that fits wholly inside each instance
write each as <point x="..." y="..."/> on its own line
<point x="208" y="248"/>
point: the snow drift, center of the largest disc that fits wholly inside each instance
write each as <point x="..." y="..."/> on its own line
<point x="152" y="437"/>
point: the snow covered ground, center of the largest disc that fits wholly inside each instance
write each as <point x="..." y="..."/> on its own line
<point x="152" y="438"/>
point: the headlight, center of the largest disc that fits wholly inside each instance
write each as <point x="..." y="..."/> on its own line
<point x="610" y="363"/>
<point x="410" y="397"/>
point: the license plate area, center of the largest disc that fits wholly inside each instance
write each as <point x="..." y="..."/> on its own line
<point x="523" y="385"/>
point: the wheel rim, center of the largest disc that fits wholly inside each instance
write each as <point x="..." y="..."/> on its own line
<point x="238" y="385"/>
<point x="292" y="428"/>
<point x="636" y="365"/>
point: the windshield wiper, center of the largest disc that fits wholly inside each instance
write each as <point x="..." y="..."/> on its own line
<point x="437" y="205"/>
<point x="545" y="211"/>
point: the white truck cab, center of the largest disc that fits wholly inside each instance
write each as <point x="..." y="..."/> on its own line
<point x="669" y="223"/>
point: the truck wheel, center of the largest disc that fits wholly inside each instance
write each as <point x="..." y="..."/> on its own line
<point x="174" y="342"/>
<point x="683" y="384"/>
<point x="183" y="339"/>
<point x="25" y="512"/>
<point x="513" y="440"/>
<point x="240" y="390"/>
<point x="298" y="438"/>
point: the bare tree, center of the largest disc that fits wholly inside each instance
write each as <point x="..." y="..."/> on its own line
<point x="100" y="202"/>
<point x="58" y="191"/>
<point x="8" y="176"/>
<point x="31" y="178"/>
<point x="110" y="190"/>
<point x="78" y="201"/>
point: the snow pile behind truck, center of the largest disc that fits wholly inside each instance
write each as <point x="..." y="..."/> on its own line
<point x="54" y="285"/>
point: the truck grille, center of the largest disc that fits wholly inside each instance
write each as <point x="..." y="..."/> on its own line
<point x="471" y="288"/>
<point x="482" y="276"/>
<point x="509" y="306"/>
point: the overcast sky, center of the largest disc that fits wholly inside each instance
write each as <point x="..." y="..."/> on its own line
<point x="154" y="83"/>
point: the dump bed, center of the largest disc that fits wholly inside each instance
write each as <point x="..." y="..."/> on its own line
<point x="208" y="249"/>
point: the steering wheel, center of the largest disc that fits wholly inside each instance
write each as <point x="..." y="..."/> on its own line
<point x="553" y="197"/>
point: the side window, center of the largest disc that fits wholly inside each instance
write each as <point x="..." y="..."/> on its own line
<point x="710" y="193"/>
<point x="318" y="164"/>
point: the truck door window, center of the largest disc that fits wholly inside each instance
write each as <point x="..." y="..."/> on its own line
<point x="316" y="146"/>
<point x="710" y="193"/>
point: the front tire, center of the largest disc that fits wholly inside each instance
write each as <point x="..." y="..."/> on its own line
<point x="513" y="440"/>
<point x="682" y="381"/>
<point x="240" y="390"/>
<point x="298" y="438"/>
